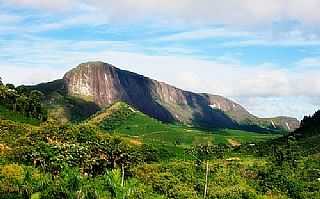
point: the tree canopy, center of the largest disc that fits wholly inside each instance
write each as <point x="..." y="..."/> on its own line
<point x="22" y="101"/>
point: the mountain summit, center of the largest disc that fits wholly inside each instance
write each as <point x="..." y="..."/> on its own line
<point x="105" y="84"/>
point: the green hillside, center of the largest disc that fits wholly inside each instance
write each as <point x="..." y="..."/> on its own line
<point x="64" y="109"/>
<point x="123" y="119"/>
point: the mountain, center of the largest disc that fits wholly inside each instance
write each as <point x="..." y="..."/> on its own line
<point x="103" y="84"/>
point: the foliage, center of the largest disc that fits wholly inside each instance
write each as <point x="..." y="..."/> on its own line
<point x="17" y="117"/>
<point x="85" y="161"/>
<point x="310" y="125"/>
<point x="23" y="102"/>
<point x="170" y="140"/>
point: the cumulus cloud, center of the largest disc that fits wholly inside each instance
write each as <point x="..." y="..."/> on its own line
<point x="220" y="76"/>
<point x="24" y="75"/>
<point x="242" y="12"/>
<point x="213" y="11"/>
<point x="298" y="106"/>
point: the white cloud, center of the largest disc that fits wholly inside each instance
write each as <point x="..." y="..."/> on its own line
<point x="274" y="106"/>
<point x="288" y="38"/>
<point x="6" y="19"/>
<point x="235" y="12"/>
<point x="205" y="34"/>
<point x="226" y="76"/>
<point x="245" y="23"/>
<point x="43" y="4"/>
<point x="304" y="11"/>
<point x="241" y="38"/>
<point x="309" y="63"/>
<point x="272" y="43"/>
<point x="26" y="75"/>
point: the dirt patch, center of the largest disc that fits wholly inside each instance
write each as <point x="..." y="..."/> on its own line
<point x="233" y="159"/>
<point x="234" y="143"/>
<point x="4" y="149"/>
<point x="135" y="142"/>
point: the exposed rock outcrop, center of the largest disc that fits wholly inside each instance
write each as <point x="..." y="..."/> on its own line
<point x="105" y="84"/>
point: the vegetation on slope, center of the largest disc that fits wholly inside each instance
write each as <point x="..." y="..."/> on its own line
<point x="121" y="118"/>
<point x="120" y="153"/>
<point x="80" y="161"/>
<point x="62" y="108"/>
<point x="66" y="162"/>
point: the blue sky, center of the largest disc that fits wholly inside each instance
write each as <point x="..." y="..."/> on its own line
<point x="266" y="57"/>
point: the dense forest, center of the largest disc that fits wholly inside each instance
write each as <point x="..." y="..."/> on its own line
<point x="22" y="100"/>
<point x="102" y="158"/>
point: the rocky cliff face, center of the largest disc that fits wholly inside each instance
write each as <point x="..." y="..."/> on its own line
<point x="105" y="84"/>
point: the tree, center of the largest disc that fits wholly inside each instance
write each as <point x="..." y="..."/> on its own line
<point x="10" y="86"/>
<point x="310" y="125"/>
<point x="11" y="99"/>
<point x="3" y="93"/>
<point x="35" y="104"/>
<point x="22" y="90"/>
<point x="1" y="83"/>
<point x="36" y="95"/>
<point x="21" y="100"/>
<point x="22" y="104"/>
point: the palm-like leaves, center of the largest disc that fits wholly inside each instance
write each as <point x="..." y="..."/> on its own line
<point x="114" y="179"/>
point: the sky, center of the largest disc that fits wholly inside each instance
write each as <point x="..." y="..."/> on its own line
<point x="265" y="56"/>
